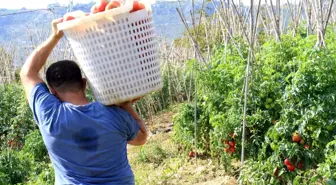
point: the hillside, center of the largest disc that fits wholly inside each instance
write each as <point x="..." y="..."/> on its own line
<point x="18" y="25"/>
<point x="24" y="28"/>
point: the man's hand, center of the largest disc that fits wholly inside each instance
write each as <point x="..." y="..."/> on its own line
<point x="30" y="70"/>
<point x="124" y="104"/>
<point x="56" y="33"/>
<point x="128" y="103"/>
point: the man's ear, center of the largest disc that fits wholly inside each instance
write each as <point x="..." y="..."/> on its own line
<point x="84" y="84"/>
<point x="53" y="91"/>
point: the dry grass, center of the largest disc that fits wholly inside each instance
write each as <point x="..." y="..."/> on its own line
<point x="160" y="162"/>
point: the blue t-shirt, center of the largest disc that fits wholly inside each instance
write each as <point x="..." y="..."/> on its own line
<point x="86" y="144"/>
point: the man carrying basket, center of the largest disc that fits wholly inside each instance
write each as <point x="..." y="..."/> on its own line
<point x="87" y="142"/>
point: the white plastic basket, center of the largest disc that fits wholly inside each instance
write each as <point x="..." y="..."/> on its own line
<point x="118" y="53"/>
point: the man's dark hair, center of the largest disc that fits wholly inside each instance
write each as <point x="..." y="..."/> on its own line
<point x="65" y="76"/>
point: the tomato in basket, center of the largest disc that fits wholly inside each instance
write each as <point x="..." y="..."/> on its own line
<point x="112" y="4"/>
<point x="99" y="6"/>
<point x="137" y="6"/>
<point x="68" y="17"/>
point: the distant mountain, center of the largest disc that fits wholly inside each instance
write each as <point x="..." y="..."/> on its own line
<point x="20" y="23"/>
<point x="26" y="28"/>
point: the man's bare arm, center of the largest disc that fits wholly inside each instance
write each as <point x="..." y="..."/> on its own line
<point x="142" y="135"/>
<point x="30" y="70"/>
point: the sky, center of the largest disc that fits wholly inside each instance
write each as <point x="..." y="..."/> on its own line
<point x="34" y="4"/>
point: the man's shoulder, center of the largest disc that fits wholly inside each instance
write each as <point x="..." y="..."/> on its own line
<point x="108" y="107"/>
<point x="112" y="109"/>
<point x="98" y="107"/>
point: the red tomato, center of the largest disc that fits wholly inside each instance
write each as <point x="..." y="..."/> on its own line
<point x="232" y="135"/>
<point x="287" y="162"/>
<point x="99" y="6"/>
<point x="112" y="4"/>
<point x="299" y="165"/>
<point x="191" y="154"/>
<point x="306" y="146"/>
<point x="232" y="143"/>
<point x="296" y="138"/>
<point x="290" y="168"/>
<point x="232" y="150"/>
<point x="68" y="18"/>
<point x="137" y="6"/>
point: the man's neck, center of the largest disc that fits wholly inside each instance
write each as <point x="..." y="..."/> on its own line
<point x="75" y="98"/>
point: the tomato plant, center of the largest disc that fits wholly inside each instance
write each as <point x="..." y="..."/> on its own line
<point x="15" y="121"/>
<point x="290" y="113"/>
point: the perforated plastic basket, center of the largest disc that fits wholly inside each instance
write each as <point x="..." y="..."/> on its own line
<point x="117" y="53"/>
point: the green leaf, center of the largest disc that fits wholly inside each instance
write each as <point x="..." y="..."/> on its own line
<point x="315" y="178"/>
<point x="297" y="180"/>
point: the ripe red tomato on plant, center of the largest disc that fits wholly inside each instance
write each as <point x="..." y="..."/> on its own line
<point x="232" y="143"/>
<point x="137" y="6"/>
<point x="231" y="134"/>
<point x="112" y="4"/>
<point x="299" y="166"/>
<point x="306" y="146"/>
<point x="290" y="168"/>
<point x="232" y="150"/>
<point x="287" y="162"/>
<point x="191" y="154"/>
<point x="296" y="138"/>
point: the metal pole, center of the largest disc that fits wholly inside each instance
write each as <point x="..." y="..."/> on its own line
<point x="195" y="113"/>
<point x="246" y="85"/>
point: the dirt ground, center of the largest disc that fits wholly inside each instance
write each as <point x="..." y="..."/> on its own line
<point x="161" y="162"/>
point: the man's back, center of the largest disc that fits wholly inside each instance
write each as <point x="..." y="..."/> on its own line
<point x="87" y="144"/>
